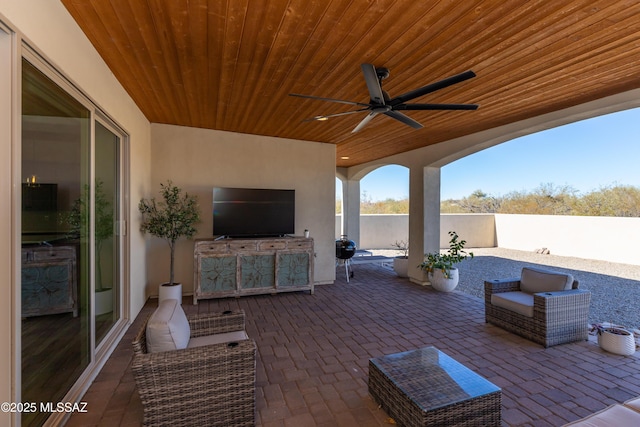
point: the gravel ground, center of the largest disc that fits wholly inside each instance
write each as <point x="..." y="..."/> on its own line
<point x="615" y="288"/>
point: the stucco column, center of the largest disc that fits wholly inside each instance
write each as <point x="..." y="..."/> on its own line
<point x="351" y="209"/>
<point x="424" y="217"/>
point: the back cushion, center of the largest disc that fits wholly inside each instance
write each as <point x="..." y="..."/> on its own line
<point x="168" y="328"/>
<point x="536" y="280"/>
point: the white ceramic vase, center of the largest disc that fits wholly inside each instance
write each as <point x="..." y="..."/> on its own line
<point x="401" y="266"/>
<point x="441" y="283"/>
<point x="104" y="301"/>
<point x="622" y="342"/>
<point x="170" y="292"/>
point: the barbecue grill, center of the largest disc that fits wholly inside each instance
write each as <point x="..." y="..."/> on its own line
<point x="345" y="250"/>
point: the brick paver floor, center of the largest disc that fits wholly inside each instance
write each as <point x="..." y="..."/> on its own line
<point x="313" y="353"/>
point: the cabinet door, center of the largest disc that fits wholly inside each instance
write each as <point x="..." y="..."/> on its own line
<point x="47" y="288"/>
<point x="257" y="271"/>
<point x="218" y="274"/>
<point x="293" y="269"/>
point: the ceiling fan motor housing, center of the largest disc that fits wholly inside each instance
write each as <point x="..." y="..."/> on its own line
<point x="382" y="73"/>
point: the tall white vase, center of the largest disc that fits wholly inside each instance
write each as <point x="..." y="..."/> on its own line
<point x="170" y="292"/>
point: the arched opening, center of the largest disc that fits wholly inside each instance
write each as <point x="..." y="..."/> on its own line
<point x="584" y="174"/>
<point x="384" y="208"/>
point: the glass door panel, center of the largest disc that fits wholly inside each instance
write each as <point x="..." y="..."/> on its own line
<point x="107" y="240"/>
<point x="55" y="268"/>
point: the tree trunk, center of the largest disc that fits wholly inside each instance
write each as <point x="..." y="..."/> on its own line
<point x="172" y="245"/>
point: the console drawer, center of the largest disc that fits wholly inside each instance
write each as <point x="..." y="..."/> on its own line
<point x="243" y="246"/>
<point x="271" y="245"/>
<point x="300" y="244"/>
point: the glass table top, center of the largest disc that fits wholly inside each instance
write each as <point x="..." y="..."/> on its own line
<point x="433" y="379"/>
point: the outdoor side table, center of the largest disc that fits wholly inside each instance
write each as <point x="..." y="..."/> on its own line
<point x="427" y="387"/>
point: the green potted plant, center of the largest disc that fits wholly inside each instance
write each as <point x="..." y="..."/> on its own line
<point x="171" y="218"/>
<point x="78" y="222"/>
<point x="439" y="267"/>
<point x="401" y="262"/>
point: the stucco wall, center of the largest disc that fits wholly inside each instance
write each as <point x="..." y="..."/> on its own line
<point x="603" y="238"/>
<point x="198" y="160"/>
<point x="381" y="231"/>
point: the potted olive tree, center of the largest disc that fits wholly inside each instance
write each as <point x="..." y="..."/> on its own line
<point x="439" y="267"/>
<point x="78" y="221"/>
<point x="171" y="218"/>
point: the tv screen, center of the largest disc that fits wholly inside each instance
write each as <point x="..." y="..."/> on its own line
<point x="245" y="212"/>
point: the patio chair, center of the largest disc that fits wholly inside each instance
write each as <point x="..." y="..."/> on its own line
<point x="195" y="371"/>
<point x="543" y="306"/>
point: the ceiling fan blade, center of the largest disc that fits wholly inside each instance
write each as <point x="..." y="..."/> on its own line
<point x="373" y="84"/>
<point x="432" y="87"/>
<point x="325" y="117"/>
<point x="364" y="122"/>
<point x="416" y="107"/>
<point x="404" y="119"/>
<point x="318" y="98"/>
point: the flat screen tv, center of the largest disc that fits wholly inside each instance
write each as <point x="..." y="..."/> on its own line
<point x="253" y="212"/>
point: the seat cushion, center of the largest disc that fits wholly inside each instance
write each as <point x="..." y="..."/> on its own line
<point x="535" y="280"/>
<point x="519" y="302"/>
<point x="633" y="404"/>
<point x="613" y="416"/>
<point x="168" y="328"/>
<point x="234" y="336"/>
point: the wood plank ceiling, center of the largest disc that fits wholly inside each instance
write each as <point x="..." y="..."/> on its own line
<point x="230" y="65"/>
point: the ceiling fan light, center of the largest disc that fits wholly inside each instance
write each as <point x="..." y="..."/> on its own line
<point x="322" y="118"/>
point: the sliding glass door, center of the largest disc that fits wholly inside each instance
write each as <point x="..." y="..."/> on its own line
<point x="107" y="239"/>
<point x="71" y="268"/>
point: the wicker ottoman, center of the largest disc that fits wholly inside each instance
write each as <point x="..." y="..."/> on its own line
<point x="427" y="387"/>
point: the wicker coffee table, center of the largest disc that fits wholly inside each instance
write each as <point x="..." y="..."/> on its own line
<point x="427" y="387"/>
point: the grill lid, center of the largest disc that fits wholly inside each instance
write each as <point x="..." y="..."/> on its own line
<point x="345" y="248"/>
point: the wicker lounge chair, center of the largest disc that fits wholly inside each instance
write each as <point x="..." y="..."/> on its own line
<point x="212" y="385"/>
<point x="543" y="306"/>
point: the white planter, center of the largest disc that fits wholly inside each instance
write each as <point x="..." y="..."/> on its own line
<point x="104" y="301"/>
<point x="170" y="292"/>
<point x="401" y="266"/>
<point x="441" y="283"/>
<point x="622" y="343"/>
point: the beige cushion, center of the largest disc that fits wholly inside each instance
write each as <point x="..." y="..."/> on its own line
<point x="633" y="404"/>
<point x="519" y="302"/>
<point x="168" y="328"/>
<point x="217" y="339"/>
<point x="613" y="416"/>
<point x="535" y="280"/>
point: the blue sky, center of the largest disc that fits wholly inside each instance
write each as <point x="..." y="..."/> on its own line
<point x="585" y="155"/>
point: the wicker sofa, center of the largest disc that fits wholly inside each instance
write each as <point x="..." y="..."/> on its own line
<point x="206" y="378"/>
<point x="618" y="415"/>
<point x="543" y="306"/>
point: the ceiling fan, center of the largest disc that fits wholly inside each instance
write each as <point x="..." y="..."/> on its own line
<point x="380" y="103"/>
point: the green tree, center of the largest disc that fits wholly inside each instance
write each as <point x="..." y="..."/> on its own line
<point x="172" y="217"/>
<point x="547" y="199"/>
<point x="550" y="199"/>
<point x="620" y="201"/>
